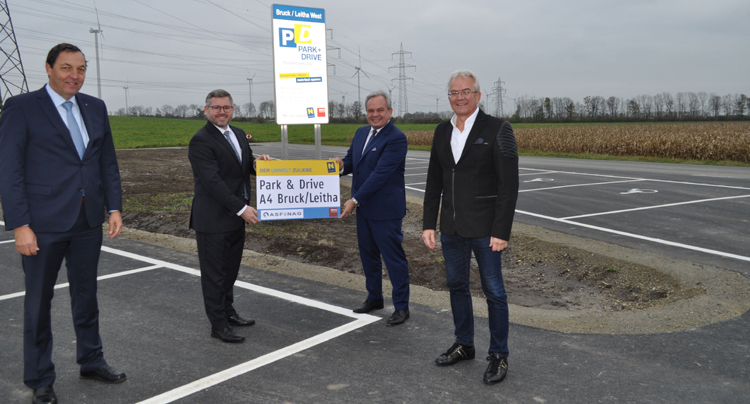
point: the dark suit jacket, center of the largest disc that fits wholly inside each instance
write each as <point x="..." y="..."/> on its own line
<point x="220" y="180"/>
<point x="378" y="173"/>
<point x="42" y="178"/>
<point x="479" y="192"/>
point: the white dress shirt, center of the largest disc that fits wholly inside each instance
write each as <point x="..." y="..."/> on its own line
<point x="458" y="138"/>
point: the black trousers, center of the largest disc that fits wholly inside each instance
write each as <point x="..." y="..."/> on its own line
<point x="80" y="247"/>
<point x="220" y="255"/>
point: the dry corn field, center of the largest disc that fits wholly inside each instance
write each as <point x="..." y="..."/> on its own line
<point x="690" y="141"/>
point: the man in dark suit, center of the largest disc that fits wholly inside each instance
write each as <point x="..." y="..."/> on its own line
<point x="59" y="172"/>
<point x="222" y="162"/>
<point x="473" y="171"/>
<point x="376" y="160"/>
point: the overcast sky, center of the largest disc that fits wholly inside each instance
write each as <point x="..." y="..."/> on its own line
<point x="176" y="51"/>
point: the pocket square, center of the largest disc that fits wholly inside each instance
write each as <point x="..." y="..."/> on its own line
<point x="479" y="141"/>
<point x="374" y="149"/>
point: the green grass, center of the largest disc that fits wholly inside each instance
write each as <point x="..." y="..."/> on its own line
<point x="140" y="132"/>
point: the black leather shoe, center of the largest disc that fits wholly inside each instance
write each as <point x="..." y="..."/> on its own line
<point x="106" y="374"/>
<point x="227" y="335"/>
<point x="240" y="321"/>
<point x="44" y="395"/>
<point x="368" y="306"/>
<point x="398" y="317"/>
<point x="455" y="354"/>
<point x="497" y="369"/>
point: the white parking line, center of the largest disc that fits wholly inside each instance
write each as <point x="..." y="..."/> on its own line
<point x="361" y="320"/>
<point x="578" y="185"/>
<point x="65" y="285"/>
<point x="656" y="206"/>
<point x="638" y="236"/>
<point x="217" y="378"/>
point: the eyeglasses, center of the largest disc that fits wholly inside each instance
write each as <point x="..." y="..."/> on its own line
<point x="216" y="108"/>
<point x="466" y="92"/>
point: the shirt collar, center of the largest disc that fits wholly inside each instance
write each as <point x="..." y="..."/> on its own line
<point x="380" y="128"/>
<point x="58" y="99"/>
<point x="469" y="121"/>
<point x="223" y="130"/>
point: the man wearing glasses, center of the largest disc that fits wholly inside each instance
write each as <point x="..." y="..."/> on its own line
<point x="222" y="162"/>
<point x="473" y="171"/>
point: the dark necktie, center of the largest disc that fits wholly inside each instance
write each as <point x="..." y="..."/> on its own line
<point x="231" y="144"/>
<point x="369" y="139"/>
<point x="75" y="131"/>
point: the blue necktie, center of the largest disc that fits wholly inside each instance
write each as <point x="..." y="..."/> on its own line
<point x="75" y="131"/>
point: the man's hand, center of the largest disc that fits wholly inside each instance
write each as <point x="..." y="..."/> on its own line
<point x="428" y="236"/>
<point x="25" y="240"/>
<point x="348" y="207"/>
<point x="497" y="244"/>
<point x="250" y="215"/>
<point x="115" y="224"/>
<point x="339" y="162"/>
<point x="262" y="157"/>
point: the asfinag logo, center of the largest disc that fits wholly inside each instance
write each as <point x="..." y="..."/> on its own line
<point x="289" y="38"/>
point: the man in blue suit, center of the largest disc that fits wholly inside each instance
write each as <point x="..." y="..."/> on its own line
<point x="376" y="160"/>
<point x="59" y="173"/>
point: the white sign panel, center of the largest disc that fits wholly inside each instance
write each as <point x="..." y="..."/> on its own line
<point x="300" y="66"/>
<point x="297" y="189"/>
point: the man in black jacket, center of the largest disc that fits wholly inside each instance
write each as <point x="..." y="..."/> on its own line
<point x="222" y="162"/>
<point x="473" y="171"/>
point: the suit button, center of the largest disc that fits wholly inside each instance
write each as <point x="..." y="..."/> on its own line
<point x="80" y="189"/>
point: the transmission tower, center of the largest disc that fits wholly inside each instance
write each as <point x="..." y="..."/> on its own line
<point x="499" y="92"/>
<point x="403" y="102"/>
<point x="11" y="69"/>
<point x="328" y="47"/>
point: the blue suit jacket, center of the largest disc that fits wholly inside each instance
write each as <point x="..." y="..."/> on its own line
<point x="378" y="173"/>
<point x="42" y="179"/>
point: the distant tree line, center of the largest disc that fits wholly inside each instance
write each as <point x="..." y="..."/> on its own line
<point x="194" y="111"/>
<point x="684" y="106"/>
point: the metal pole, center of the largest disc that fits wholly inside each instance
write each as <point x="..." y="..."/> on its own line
<point x="126" y="99"/>
<point x="98" y="73"/>
<point x="318" y="152"/>
<point x="284" y="143"/>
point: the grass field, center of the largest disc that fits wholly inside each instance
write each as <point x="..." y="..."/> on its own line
<point x="723" y="143"/>
<point x="139" y="132"/>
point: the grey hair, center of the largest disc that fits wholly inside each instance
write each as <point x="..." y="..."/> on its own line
<point x="465" y="73"/>
<point x="379" y="93"/>
<point x="219" y="93"/>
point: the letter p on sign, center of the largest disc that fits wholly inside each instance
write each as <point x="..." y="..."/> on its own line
<point x="286" y="38"/>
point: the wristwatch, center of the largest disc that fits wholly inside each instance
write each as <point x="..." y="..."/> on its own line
<point x="356" y="204"/>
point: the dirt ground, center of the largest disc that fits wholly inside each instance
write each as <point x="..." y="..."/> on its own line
<point x="158" y="186"/>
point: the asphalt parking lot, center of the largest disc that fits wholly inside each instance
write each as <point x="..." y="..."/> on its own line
<point x="308" y="347"/>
